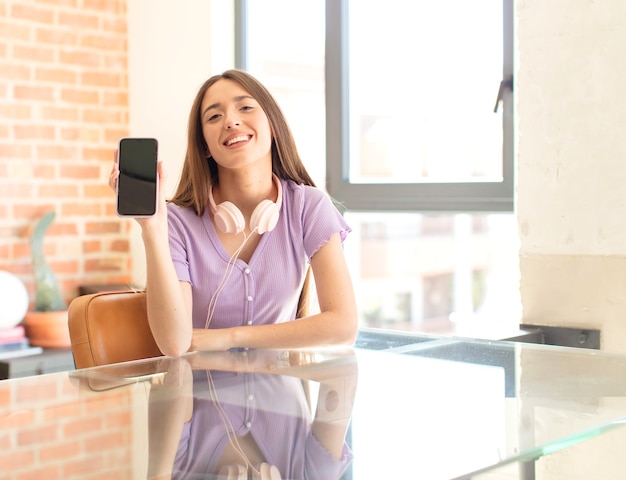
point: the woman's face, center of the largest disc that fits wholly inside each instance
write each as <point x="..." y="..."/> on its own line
<point x="235" y="127"/>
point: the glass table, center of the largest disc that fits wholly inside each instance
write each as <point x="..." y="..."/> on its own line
<point x="395" y="406"/>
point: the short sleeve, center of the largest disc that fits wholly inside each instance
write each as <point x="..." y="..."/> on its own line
<point x="178" y="233"/>
<point x="320" y="220"/>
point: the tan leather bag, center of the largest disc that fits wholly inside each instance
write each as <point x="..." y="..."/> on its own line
<point x="110" y="327"/>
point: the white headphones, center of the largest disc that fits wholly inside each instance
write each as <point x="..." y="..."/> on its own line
<point x="229" y="219"/>
<point x="264" y="471"/>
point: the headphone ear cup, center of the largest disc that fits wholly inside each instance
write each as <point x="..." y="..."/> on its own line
<point x="268" y="472"/>
<point x="233" y="472"/>
<point x="228" y="218"/>
<point x="264" y="217"/>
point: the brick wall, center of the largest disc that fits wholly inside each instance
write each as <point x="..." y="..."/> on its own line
<point x="50" y="429"/>
<point x="63" y="107"/>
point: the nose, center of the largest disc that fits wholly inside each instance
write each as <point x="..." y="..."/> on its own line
<point x="232" y="120"/>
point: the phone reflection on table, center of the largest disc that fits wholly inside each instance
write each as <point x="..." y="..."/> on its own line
<point x="252" y="414"/>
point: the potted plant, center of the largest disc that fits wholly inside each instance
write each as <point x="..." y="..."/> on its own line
<point x="46" y="324"/>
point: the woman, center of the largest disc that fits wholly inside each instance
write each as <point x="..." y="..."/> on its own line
<point x="227" y="256"/>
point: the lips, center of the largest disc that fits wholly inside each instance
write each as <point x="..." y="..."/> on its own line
<point x="237" y="139"/>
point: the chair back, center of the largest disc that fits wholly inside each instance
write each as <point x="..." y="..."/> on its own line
<point x="110" y="327"/>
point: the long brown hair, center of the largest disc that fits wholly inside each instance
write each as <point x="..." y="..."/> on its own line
<point x="200" y="172"/>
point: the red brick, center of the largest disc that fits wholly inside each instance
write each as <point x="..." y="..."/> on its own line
<point x="103" y="116"/>
<point x="14" y="71"/>
<point x="99" y="191"/>
<point x="82" y="209"/>
<point x="33" y="132"/>
<point x="15" y="31"/>
<point x="80" y="171"/>
<point x="92" y="246"/>
<point x="30" y="12"/>
<point x="15" y="111"/>
<point x="84" y="424"/>
<point x="111" y="6"/>
<point x="51" y="472"/>
<point x="113" y="135"/>
<point x="84" y="466"/>
<point x="104" y="42"/>
<point x="12" y="150"/>
<point x="33" y="54"/>
<point x="19" y="419"/>
<point x="92" y="228"/>
<point x="18" y="190"/>
<point x="52" y="152"/>
<point x="115" y="24"/>
<point x="49" y="36"/>
<point x="106" y="265"/>
<point x="82" y="134"/>
<point x="80" y="96"/>
<point x="43" y="171"/>
<point x="15" y="459"/>
<point x="115" y="98"/>
<point x="32" y="92"/>
<point x="62" y="268"/>
<point x="56" y="75"/>
<point x="118" y="420"/>
<point x="58" y="191"/>
<point x="62" y="411"/>
<point x="103" y="79"/>
<point x="61" y="228"/>
<point x="79" y="58"/>
<point x="115" y="62"/>
<point x="107" y="441"/>
<point x="119" y="246"/>
<point x="38" y="435"/>
<point x="64" y="114"/>
<point x="79" y="20"/>
<point x="60" y="452"/>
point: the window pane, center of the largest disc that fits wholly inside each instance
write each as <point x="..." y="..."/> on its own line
<point x="424" y="77"/>
<point x="286" y="52"/>
<point x="435" y="273"/>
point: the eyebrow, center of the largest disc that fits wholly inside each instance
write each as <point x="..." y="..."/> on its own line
<point x="238" y="98"/>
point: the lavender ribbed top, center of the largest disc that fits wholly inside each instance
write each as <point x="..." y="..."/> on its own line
<point x="266" y="289"/>
<point x="272" y="409"/>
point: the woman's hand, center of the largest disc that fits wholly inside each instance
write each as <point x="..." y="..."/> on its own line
<point x="161" y="216"/>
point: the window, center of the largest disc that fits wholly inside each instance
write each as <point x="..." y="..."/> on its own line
<point x="402" y="109"/>
<point x="419" y="105"/>
<point x="285" y="50"/>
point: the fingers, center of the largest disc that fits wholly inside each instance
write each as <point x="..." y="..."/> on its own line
<point x="115" y="172"/>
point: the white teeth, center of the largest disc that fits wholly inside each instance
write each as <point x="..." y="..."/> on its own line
<point x="240" y="138"/>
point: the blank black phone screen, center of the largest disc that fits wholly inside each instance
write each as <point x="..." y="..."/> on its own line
<point x="137" y="183"/>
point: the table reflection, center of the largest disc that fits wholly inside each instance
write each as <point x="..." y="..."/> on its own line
<point x="246" y="414"/>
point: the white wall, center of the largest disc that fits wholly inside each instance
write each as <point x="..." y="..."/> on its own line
<point x="571" y="191"/>
<point x="173" y="48"/>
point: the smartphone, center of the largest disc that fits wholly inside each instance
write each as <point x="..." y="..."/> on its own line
<point x="138" y="183"/>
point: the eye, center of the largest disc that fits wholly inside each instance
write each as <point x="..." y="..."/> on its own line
<point x="210" y="118"/>
<point x="246" y="108"/>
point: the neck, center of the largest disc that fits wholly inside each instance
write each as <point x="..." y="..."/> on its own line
<point x="246" y="191"/>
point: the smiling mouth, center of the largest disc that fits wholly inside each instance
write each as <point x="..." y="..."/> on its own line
<point x="240" y="138"/>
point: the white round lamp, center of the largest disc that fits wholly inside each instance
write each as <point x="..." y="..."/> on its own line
<point x="13" y="298"/>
